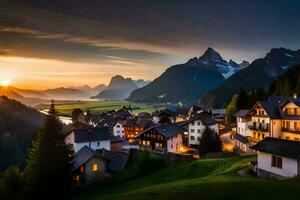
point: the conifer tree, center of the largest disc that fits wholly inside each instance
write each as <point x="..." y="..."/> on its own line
<point x="210" y="141"/>
<point x="49" y="164"/>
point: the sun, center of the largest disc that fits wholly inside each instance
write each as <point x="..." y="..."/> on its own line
<point x="5" y="83"/>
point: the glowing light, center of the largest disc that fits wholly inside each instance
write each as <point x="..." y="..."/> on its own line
<point x="5" y="83"/>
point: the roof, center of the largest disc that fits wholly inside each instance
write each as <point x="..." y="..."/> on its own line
<point x="241" y="138"/>
<point x="279" y="147"/>
<point x="218" y="111"/>
<point x="167" y="130"/>
<point x="141" y="122"/>
<point x="165" y="112"/>
<point x="205" y="118"/>
<point x="271" y="106"/>
<point x="91" y="134"/>
<point x="242" y="113"/>
<point x="117" y="161"/>
<point x="83" y="155"/>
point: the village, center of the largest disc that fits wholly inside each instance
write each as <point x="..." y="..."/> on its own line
<point x="269" y="129"/>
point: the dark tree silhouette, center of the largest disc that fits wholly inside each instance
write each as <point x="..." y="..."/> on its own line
<point x="210" y="141"/>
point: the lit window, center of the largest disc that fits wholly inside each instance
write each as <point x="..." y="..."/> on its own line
<point x="81" y="169"/>
<point x="95" y="167"/>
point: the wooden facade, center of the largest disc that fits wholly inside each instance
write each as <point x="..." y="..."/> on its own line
<point x="153" y="140"/>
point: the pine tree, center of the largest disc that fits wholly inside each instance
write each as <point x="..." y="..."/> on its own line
<point x="210" y="141"/>
<point x="230" y="111"/>
<point x="49" y="164"/>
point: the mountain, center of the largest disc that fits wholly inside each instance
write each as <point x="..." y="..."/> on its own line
<point x="185" y="82"/>
<point x="119" y="88"/>
<point x="63" y="93"/>
<point x="215" y="60"/>
<point x="141" y="83"/>
<point x="100" y="88"/>
<point x="259" y="74"/>
<point x="288" y="84"/>
<point x="244" y="64"/>
<point x="9" y="92"/>
<point x="18" y="126"/>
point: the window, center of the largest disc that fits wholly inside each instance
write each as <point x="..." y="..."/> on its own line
<point x="287" y="138"/>
<point x="263" y="136"/>
<point x="193" y="123"/>
<point x="192" y="138"/>
<point x="276" y="161"/>
<point x="199" y="131"/>
<point x="98" y="144"/>
<point x="81" y="169"/>
<point x="198" y="123"/>
<point x="297" y="139"/>
<point x="95" y="167"/>
<point x="192" y="130"/>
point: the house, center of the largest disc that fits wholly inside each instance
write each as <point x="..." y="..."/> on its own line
<point x="94" y="138"/>
<point x="290" y="119"/>
<point x="218" y="115"/>
<point x="91" y="166"/>
<point x="118" y="129"/>
<point x="194" y="110"/>
<point x="242" y="142"/>
<point x="162" y="138"/>
<point x="133" y="127"/>
<point x="278" y="158"/>
<point x="196" y="125"/>
<point x="266" y="119"/>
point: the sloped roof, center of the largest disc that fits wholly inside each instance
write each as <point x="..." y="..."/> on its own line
<point x="242" y="113"/>
<point x="241" y="138"/>
<point x="91" y="134"/>
<point x="83" y="155"/>
<point x="117" y="161"/>
<point x="204" y="117"/>
<point x="279" y="147"/>
<point x="167" y="130"/>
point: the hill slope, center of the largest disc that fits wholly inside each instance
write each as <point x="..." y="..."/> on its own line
<point x="260" y="73"/>
<point x="209" y="179"/>
<point x="288" y="84"/>
<point x="21" y="122"/>
<point x="119" y="88"/>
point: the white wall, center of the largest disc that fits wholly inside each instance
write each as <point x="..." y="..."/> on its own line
<point x="195" y="130"/>
<point x="175" y="143"/>
<point x="242" y="126"/>
<point x="289" y="166"/>
<point x="118" y="130"/>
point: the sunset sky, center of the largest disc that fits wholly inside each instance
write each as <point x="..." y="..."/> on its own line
<point x="48" y="44"/>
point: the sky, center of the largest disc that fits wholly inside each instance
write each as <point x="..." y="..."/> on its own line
<point x="54" y="43"/>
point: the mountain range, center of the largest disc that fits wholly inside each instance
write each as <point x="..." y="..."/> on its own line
<point x="259" y="74"/>
<point x="187" y="82"/>
<point x="120" y="88"/>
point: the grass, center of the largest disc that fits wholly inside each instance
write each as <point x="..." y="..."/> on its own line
<point x="66" y="108"/>
<point x="209" y="179"/>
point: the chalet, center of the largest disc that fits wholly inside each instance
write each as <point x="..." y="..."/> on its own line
<point x="242" y="142"/>
<point x="278" y="158"/>
<point x="196" y="125"/>
<point x="265" y="119"/>
<point x="94" y="138"/>
<point x="290" y="119"/>
<point x="91" y="166"/>
<point x="162" y="138"/>
<point x="133" y="127"/>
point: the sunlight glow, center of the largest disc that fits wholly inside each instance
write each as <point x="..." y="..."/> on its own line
<point x="5" y="83"/>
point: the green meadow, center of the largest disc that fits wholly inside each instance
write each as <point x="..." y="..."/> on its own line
<point x="207" y="179"/>
<point x="66" y="108"/>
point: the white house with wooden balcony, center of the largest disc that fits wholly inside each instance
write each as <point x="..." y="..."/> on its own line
<point x="266" y="119"/>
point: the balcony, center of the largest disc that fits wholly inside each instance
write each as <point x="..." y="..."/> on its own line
<point x="289" y="130"/>
<point x="263" y="127"/>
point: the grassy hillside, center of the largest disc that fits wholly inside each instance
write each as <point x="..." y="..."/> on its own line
<point x="102" y="106"/>
<point x="206" y="179"/>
